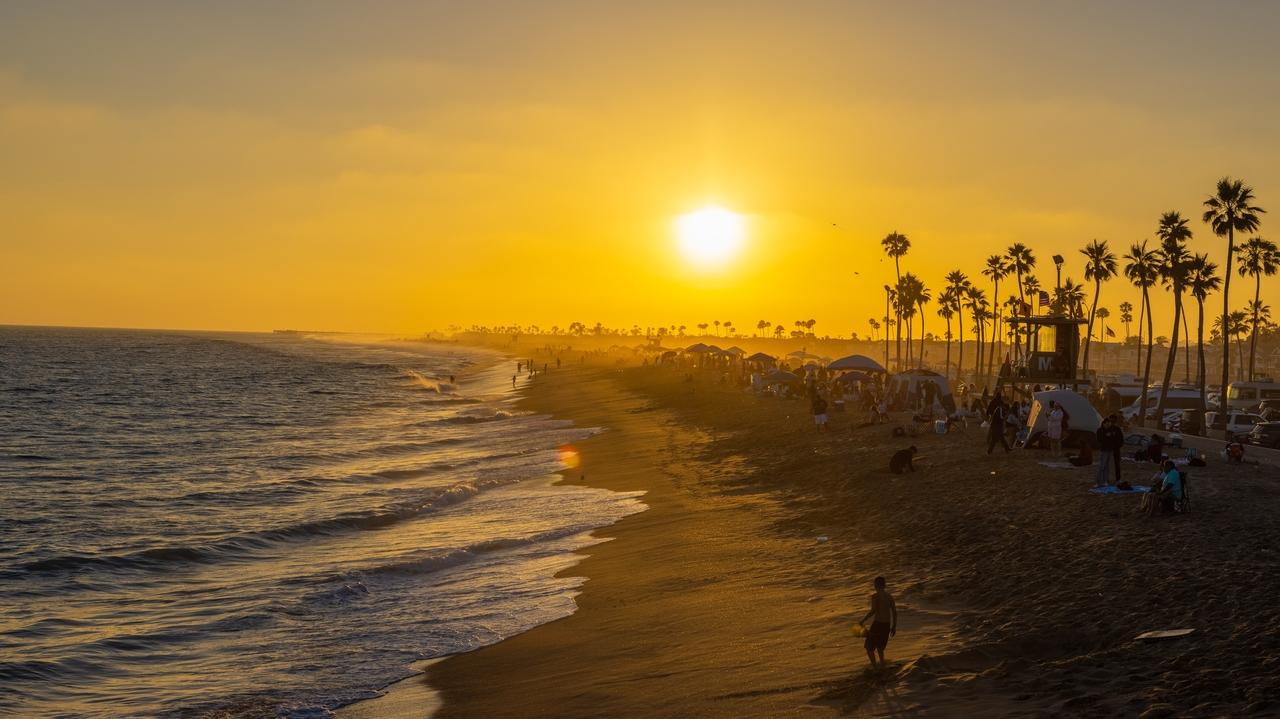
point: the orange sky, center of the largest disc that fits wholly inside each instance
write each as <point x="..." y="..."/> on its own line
<point x="401" y="167"/>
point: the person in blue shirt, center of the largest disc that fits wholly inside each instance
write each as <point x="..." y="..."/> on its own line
<point x="1171" y="488"/>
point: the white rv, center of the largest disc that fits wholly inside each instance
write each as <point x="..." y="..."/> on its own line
<point x="1178" y="398"/>
<point x="1244" y="395"/>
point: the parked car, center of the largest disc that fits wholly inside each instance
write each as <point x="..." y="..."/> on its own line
<point x="1238" y="423"/>
<point x="1265" y="434"/>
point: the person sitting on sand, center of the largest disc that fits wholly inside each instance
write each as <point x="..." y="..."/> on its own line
<point x="1166" y="491"/>
<point x="1155" y="450"/>
<point x="1084" y="458"/>
<point x="884" y="626"/>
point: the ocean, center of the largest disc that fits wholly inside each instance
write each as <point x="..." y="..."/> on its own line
<point x="247" y="524"/>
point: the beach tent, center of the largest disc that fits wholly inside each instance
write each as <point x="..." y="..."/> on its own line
<point x="800" y="354"/>
<point x="1082" y="416"/>
<point x="851" y="377"/>
<point x="861" y="363"/>
<point x="904" y="383"/>
<point x="736" y="351"/>
<point x="696" y="347"/>
<point x="762" y="357"/>
<point x="714" y="348"/>
<point x="778" y="375"/>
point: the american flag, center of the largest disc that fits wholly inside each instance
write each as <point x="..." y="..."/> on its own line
<point x="1110" y="332"/>
<point x="1044" y="298"/>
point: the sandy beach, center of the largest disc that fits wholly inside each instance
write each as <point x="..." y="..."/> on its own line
<point x="734" y="595"/>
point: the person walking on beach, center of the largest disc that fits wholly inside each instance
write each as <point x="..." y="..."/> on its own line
<point x="1110" y="441"/>
<point x="883" y="626"/>
<point x="996" y="414"/>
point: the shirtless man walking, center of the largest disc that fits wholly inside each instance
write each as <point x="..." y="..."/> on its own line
<point x="884" y="626"/>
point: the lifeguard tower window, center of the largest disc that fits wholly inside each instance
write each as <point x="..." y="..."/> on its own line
<point x="1053" y="352"/>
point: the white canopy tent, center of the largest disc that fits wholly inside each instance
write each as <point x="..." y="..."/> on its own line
<point x="1082" y="417"/>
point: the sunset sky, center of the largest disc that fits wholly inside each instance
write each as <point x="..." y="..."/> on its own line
<point x="405" y="166"/>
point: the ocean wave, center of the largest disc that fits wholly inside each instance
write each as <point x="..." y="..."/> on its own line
<point x="241" y="546"/>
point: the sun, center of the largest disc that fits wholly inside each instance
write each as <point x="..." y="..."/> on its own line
<point x="711" y="237"/>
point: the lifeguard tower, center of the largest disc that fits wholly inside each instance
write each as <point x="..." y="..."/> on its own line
<point x="1049" y="354"/>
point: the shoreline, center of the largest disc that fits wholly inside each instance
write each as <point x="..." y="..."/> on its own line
<point x="697" y="606"/>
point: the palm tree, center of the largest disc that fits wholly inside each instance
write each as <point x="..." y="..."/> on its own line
<point x="1237" y="328"/>
<point x="779" y="331"/>
<point x="717" y="324"/>
<point x="906" y="308"/>
<point x="1103" y="313"/>
<point x="896" y="245"/>
<point x="1141" y="269"/>
<point x="1021" y="261"/>
<point x="923" y="297"/>
<point x="958" y="284"/>
<point x="1258" y="257"/>
<point x="947" y="307"/>
<point x="1069" y="299"/>
<point x="1173" y="232"/>
<point x="996" y="270"/>
<point x="1202" y="279"/>
<point x="978" y="310"/>
<point x="1126" y="316"/>
<point x="1099" y="266"/>
<point x="1260" y="318"/>
<point x="1230" y="209"/>
<point x="875" y="328"/>
<point x="761" y="325"/>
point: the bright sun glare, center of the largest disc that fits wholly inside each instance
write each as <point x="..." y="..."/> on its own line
<point x="711" y="237"/>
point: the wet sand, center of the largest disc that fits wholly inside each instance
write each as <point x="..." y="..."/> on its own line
<point x="1021" y="592"/>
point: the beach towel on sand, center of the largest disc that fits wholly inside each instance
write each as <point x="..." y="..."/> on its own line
<point x="1112" y="489"/>
<point x="1059" y="465"/>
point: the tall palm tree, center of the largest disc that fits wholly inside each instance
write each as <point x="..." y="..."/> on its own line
<point x="1174" y="233"/>
<point x="978" y="310"/>
<point x="1141" y="268"/>
<point x="1202" y="279"/>
<point x="923" y="296"/>
<point x="875" y="328"/>
<point x="1099" y="266"/>
<point x="906" y="308"/>
<point x="958" y="284"/>
<point x="1237" y="327"/>
<point x="1259" y="319"/>
<point x="1021" y="261"/>
<point x="1258" y="257"/>
<point x="1228" y="210"/>
<point x="947" y="307"/>
<point x="997" y="269"/>
<point x="1126" y="316"/>
<point x="896" y="245"/>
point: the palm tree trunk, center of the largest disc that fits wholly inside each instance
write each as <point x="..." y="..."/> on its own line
<point x="995" y="325"/>
<point x="946" y="372"/>
<point x="960" y="319"/>
<point x="1097" y="288"/>
<point x="1173" y="352"/>
<point x="921" y="334"/>
<point x="897" y="311"/>
<point x="981" y="332"/>
<point x="1146" y="375"/>
<point x="1142" y="311"/>
<point x="1226" y="313"/>
<point x="1200" y="375"/>
<point x="1186" y="349"/>
<point x="1253" y="342"/>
